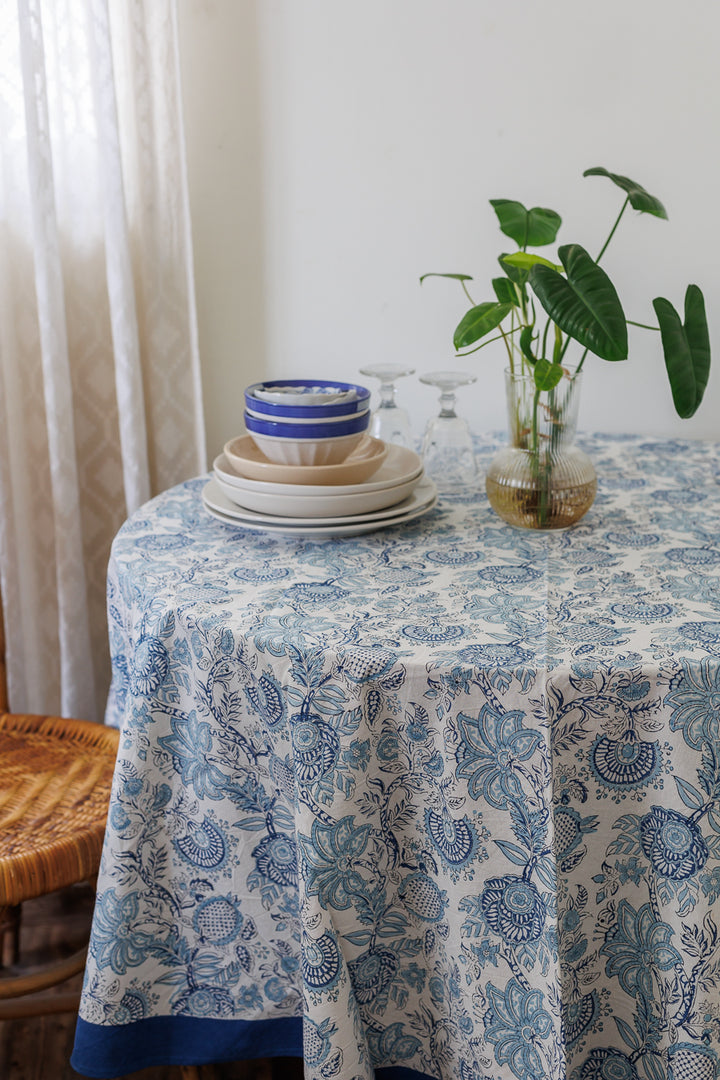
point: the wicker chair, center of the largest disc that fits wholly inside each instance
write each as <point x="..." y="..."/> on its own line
<point x="55" y="778"/>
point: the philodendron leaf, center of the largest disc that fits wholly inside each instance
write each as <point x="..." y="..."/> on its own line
<point x="640" y="199"/>
<point x="528" y="228"/>
<point x="584" y="305"/>
<point x="505" y="291"/>
<point x="456" y="277"/>
<point x="686" y="349"/>
<point x="524" y="261"/>
<point x="478" y="322"/>
<point x="526" y="340"/>
<point x="547" y="375"/>
<point x="515" y="273"/>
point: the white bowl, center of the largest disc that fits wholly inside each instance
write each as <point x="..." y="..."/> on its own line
<point x="302" y="397"/>
<point x="290" y="451"/>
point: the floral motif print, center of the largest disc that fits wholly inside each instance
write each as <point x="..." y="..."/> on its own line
<point x="447" y="795"/>
<point x="150" y="665"/>
<point x="673" y="843"/>
<point x="117" y="943"/>
<point x="455" y="840"/>
<point x="516" y="1023"/>
<point x="372" y="973"/>
<point x="203" y="846"/>
<point x="513" y="908"/>
<point x="606" y="1063"/>
<point x="320" y="962"/>
<point x="626" y="763"/>
<point x="315" y="748"/>
<point x="330" y="857"/>
<point x="695" y="702"/>
<point x="493" y="749"/>
<point x="276" y="859"/>
<point x="638" y="948"/>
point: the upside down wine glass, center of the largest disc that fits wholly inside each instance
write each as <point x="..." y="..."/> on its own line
<point x="389" y="422"/>
<point x="447" y="446"/>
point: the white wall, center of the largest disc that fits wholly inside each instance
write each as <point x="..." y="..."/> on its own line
<point x="338" y="150"/>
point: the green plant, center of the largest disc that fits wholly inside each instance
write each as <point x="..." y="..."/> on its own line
<point x="580" y="303"/>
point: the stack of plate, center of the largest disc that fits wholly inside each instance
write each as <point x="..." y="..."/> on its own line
<point x="376" y="486"/>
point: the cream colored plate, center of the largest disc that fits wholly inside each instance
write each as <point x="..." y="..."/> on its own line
<point x="327" y="504"/>
<point x="247" y="460"/>
<point x="399" y="466"/>
<point x="214" y="497"/>
<point x="423" y="499"/>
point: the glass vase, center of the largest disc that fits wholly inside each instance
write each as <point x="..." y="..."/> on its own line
<point x="541" y="480"/>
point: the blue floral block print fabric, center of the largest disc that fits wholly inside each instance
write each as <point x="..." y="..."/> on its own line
<point x="437" y="801"/>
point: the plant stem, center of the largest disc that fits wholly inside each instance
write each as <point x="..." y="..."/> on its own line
<point x="535" y="443"/>
<point x="642" y="325"/>
<point x="582" y="361"/>
<point x="568" y="339"/>
<point x="612" y="231"/>
<point x="503" y="334"/>
<point x="508" y="344"/>
<point x="544" y="338"/>
<point x="510" y="348"/>
<point x="467" y="293"/>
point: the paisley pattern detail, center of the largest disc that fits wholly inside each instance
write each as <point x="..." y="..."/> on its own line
<point x="453" y="556"/>
<point x="455" y="841"/>
<point x="624" y="763"/>
<point x="433" y="634"/>
<point x="642" y="611"/>
<point x="320" y="963"/>
<point x="578" y="1016"/>
<point x="202" y="845"/>
<point x="448" y="792"/>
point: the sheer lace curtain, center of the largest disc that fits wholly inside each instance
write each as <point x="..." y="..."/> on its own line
<point x="100" y="399"/>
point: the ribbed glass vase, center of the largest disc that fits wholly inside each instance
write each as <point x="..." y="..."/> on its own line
<point x="541" y="480"/>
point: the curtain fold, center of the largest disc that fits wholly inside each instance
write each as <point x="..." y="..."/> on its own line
<point x="123" y="316"/>
<point x="100" y="401"/>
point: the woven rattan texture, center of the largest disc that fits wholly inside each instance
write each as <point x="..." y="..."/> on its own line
<point x="55" y="779"/>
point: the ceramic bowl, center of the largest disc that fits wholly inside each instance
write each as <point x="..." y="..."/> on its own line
<point x="247" y="462"/>
<point x="327" y="442"/>
<point x="305" y="398"/>
<point x="305" y="419"/>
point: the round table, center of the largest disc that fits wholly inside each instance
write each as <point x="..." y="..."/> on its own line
<point x="436" y="801"/>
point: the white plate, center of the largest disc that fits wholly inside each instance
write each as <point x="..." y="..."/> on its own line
<point x="213" y="495"/>
<point x="399" y="466"/>
<point x="364" y="523"/>
<point x="324" y="505"/>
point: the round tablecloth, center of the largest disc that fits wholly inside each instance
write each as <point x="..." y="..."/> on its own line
<point x="437" y="801"/>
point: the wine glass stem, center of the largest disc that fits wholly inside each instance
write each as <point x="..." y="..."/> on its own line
<point x="387" y="396"/>
<point x="447" y="404"/>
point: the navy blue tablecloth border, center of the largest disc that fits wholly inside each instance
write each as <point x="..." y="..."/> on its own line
<point x="104" y="1052"/>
